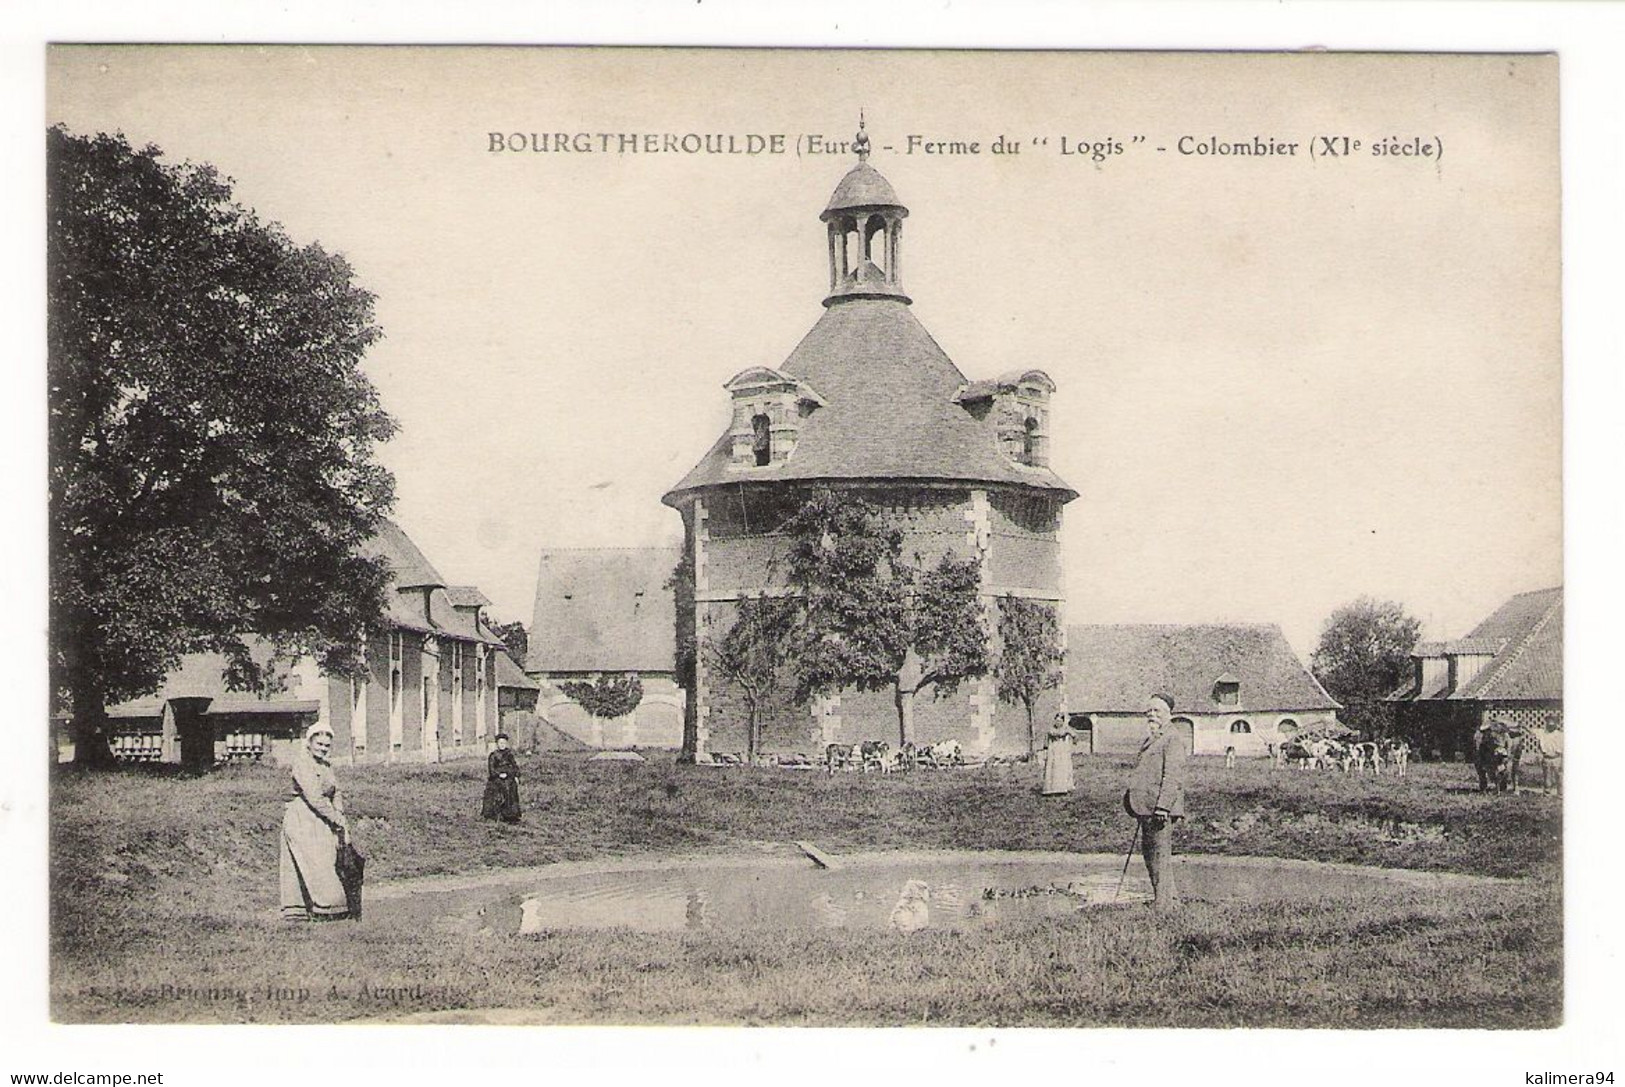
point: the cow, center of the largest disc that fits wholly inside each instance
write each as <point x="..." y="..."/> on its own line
<point x="1399" y="756"/>
<point x="1323" y="753"/>
<point x="943" y="753"/>
<point x="1495" y="753"/>
<point x="906" y="757"/>
<point x="1369" y="757"/>
<point x="875" y="754"/>
<point x="842" y="757"/>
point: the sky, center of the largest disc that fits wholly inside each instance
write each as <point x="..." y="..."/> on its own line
<point x="1283" y="381"/>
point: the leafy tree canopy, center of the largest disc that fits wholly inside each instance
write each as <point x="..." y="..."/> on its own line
<point x="1030" y="662"/>
<point x="754" y="655"/>
<point x="212" y="437"/>
<point x="1363" y="655"/>
<point x="516" y="638"/>
<point x="870" y="618"/>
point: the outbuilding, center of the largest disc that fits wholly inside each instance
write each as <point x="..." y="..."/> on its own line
<point x="1236" y="686"/>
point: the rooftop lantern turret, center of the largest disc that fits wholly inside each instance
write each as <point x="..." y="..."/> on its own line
<point x="865" y="221"/>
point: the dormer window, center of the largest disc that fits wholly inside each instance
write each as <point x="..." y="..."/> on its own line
<point x="769" y="408"/>
<point x="1227" y="690"/>
<point x="1016" y="404"/>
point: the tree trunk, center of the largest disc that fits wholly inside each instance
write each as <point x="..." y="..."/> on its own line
<point x="905" y="716"/>
<point x="1032" y="735"/>
<point x="92" y="745"/>
<point x="691" y="725"/>
<point x="908" y="682"/>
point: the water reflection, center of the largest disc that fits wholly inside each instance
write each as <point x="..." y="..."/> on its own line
<point x="901" y="899"/>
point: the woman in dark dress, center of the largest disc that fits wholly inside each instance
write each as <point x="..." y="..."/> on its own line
<point x="502" y="784"/>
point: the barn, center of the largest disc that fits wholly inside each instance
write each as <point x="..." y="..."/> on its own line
<point x="429" y="692"/>
<point x="607" y="611"/>
<point x="1235" y="686"/>
<point x="1508" y="666"/>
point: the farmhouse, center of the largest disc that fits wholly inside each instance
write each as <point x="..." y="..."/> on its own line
<point x="868" y="405"/>
<point x="1234" y="686"/>
<point x="1510" y="665"/>
<point x="429" y="692"/>
<point x="607" y="612"/>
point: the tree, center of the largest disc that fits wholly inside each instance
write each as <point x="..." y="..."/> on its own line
<point x="211" y="435"/>
<point x="1363" y="654"/>
<point x="754" y="656"/>
<point x="868" y="618"/>
<point x="515" y="637"/>
<point x="1030" y="662"/>
<point x="608" y="696"/>
<point x="681" y="585"/>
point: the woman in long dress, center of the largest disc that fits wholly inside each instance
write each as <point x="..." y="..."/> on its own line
<point x="313" y="828"/>
<point x="1058" y="758"/>
<point x="502" y="784"/>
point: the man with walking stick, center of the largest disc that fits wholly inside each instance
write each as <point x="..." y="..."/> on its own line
<point x="1156" y="797"/>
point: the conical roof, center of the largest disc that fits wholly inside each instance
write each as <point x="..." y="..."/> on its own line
<point x="862" y="187"/>
<point x="889" y="411"/>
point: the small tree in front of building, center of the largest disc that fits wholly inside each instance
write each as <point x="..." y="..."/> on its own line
<point x="754" y="656"/>
<point x="1362" y="656"/>
<point x="1030" y="662"/>
<point x="866" y="617"/>
<point x="608" y="696"/>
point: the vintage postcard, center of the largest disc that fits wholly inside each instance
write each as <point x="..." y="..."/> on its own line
<point x="610" y="536"/>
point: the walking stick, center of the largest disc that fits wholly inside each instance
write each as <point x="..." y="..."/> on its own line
<point x="1132" y="842"/>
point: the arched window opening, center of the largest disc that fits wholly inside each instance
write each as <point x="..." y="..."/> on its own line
<point x="1081" y="722"/>
<point x="1029" y="442"/>
<point x="851" y="248"/>
<point x="1240" y="727"/>
<point x="874" y="241"/>
<point x="1287" y="726"/>
<point x="761" y="442"/>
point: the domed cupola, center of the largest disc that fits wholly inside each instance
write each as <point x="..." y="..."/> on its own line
<point x="865" y="232"/>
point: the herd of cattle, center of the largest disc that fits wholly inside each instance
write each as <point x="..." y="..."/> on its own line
<point x="1326" y="753"/>
<point x="870" y="755"/>
<point x="1496" y="754"/>
<point x="881" y="756"/>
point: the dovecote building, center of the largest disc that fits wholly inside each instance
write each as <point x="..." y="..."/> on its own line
<point x="869" y="404"/>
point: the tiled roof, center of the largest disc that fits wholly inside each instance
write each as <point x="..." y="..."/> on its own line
<point x="510" y="674"/>
<point x="413" y="576"/>
<point x="202" y="675"/>
<point x="256" y="705"/>
<point x="1525" y="636"/>
<point x="1481" y="647"/>
<point x="1530" y="666"/>
<point x="862" y="187"/>
<point x="603" y="610"/>
<point x="467" y="596"/>
<point x="410" y="567"/>
<point x="890" y="411"/>
<point x="1113" y="668"/>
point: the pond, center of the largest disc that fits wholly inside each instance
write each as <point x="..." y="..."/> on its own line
<point x="903" y="892"/>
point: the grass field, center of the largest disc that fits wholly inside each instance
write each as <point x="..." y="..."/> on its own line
<point x="164" y="896"/>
